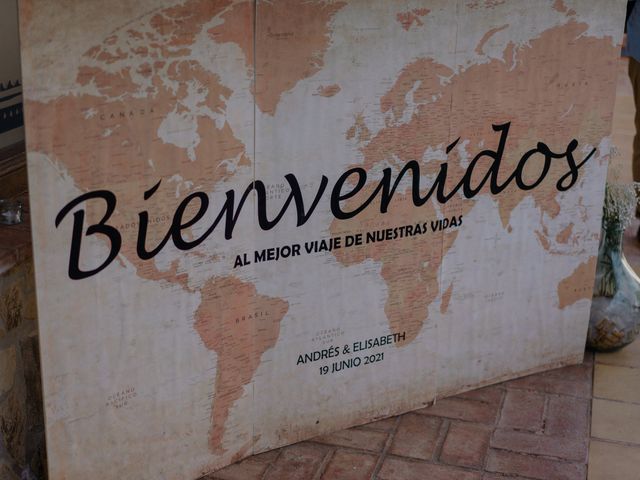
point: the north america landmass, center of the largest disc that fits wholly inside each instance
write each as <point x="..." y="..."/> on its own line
<point x="149" y="70"/>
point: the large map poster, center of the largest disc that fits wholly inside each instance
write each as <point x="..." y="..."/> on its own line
<point x="259" y="221"/>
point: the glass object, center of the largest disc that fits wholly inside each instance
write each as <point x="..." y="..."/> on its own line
<point x="10" y="212"/>
<point x="615" y="310"/>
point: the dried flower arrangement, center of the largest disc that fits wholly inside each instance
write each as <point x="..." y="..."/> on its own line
<point x="620" y="200"/>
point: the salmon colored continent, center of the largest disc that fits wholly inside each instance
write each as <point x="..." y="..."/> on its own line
<point x="239" y="325"/>
<point x="407" y="19"/>
<point x="328" y="90"/>
<point x="578" y="285"/>
<point x="291" y="40"/>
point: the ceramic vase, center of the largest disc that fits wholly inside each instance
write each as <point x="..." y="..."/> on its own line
<point x="615" y="310"/>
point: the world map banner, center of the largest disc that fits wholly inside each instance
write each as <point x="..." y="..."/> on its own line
<point x="255" y="222"/>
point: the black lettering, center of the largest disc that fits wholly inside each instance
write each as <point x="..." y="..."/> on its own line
<point x="75" y="273"/>
<point x="231" y="215"/>
<point x="337" y="196"/>
<point x="519" y="171"/>
<point x="177" y="226"/>
<point x="492" y="172"/>
<point x="295" y="195"/>
<point x="141" y="248"/>
<point x="572" y="174"/>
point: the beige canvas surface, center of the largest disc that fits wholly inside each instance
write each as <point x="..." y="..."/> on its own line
<point x="190" y="317"/>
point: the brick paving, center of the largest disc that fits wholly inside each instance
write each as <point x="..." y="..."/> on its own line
<point x="614" y="451"/>
<point x="536" y="427"/>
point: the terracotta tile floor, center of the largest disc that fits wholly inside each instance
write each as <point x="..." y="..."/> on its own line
<point x="536" y="427"/>
<point x="614" y="452"/>
<point x="533" y="427"/>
